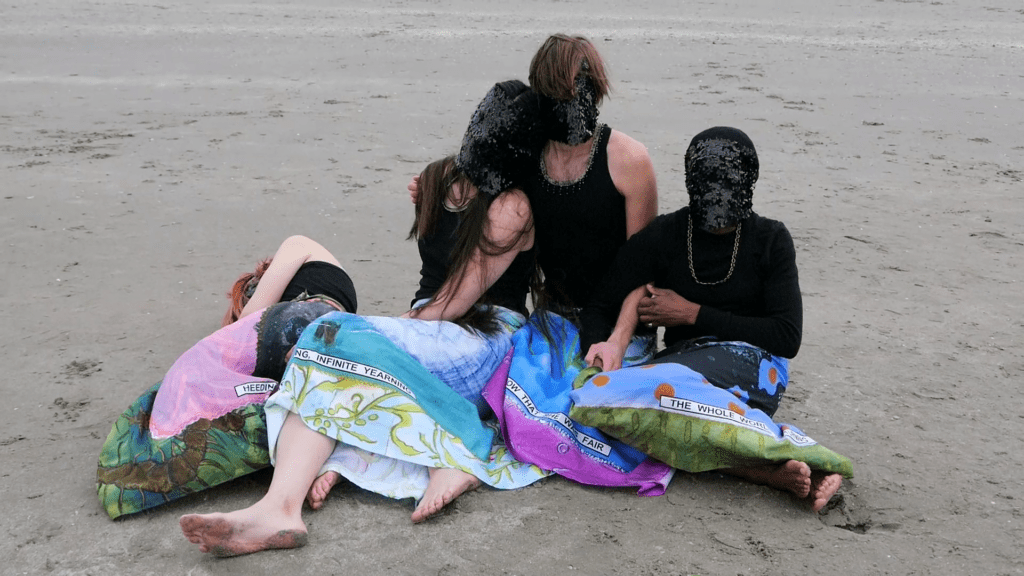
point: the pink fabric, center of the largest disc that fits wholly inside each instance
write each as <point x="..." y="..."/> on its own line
<point x="211" y="379"/>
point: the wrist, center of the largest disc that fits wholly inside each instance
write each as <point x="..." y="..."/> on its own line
<point x="620" y="339"/>
<point x="694" y="312"/>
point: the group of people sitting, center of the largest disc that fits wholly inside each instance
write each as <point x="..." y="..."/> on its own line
<point x="541" y="200"/>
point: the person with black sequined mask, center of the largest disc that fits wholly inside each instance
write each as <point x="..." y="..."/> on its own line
<point x="476" y="240"/>
<point x="723" y="282"/>
<point x="713" y="268"/>
<point x="592" y="187"/>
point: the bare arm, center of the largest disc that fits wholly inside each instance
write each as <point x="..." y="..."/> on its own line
<point x="290" y="256"/>
<point x="508" y="216"/>
<point x="608" y="355"/>
<point x="633" y="175"/>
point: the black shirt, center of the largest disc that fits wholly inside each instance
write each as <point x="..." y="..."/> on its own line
<point x="580" y="227"/>
<point x="509" y="290"/>
<point x="760" y="304"/>
<point x="322" y="278"/>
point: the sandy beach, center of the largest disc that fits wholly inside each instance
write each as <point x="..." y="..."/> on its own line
<point x="150" y="153"/>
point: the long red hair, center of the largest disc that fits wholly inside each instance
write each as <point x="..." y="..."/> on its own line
<point x="242" y="290"/>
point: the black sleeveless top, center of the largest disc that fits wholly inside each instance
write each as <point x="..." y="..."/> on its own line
<point x="580" y="226"/>
<point x="322" y="278"/>
<point x="435" y="252"/>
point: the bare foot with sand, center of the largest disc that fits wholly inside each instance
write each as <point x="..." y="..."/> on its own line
<point x="823" y="487"/>
<point x="321" y="488"/>
<point x="796" y="477"/>
<point x="791" y="476"/>
<point x="446" y="484"/>
<point x="242" y="532"/>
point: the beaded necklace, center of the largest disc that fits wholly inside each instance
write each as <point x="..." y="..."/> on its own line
<point x="567" y="187"/>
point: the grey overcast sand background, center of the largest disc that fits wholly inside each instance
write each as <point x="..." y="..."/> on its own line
<point x="151" y="152"/>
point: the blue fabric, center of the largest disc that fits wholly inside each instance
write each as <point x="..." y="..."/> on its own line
<point x="674" y="414"/>
<point x="352" y="345"/>
<point x="463" y="359"/>
<point x="533" y="405"/>
<point x="750" y="373"/>
<point x="392" y="418"/>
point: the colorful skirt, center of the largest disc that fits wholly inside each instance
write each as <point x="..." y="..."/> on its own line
<point x="705" y="409"/>
<point x="753" y="375"/>
<point x="203" y="424"/>
<point x="533" y="404"/>
<point x="370" y="384"/>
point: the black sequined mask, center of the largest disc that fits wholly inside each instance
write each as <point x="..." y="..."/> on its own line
<point x="721" y="170"/>
<point x="503" y="138"/>
<point x="573" y="121"/>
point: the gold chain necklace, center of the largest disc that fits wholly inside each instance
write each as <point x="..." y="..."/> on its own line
<point x="689" y="254"/>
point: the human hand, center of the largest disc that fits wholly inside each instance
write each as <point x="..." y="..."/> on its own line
<point x="605" y="355"/>
<point x="663" y="307"/>
<point x="414" y="188"/>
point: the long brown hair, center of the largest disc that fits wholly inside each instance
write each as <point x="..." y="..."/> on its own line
<point x="559" y="59"/>
<point x="242" y="290"/>
<point x="434" y="185"/>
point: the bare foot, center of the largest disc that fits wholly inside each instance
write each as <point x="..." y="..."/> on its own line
<point x="242" y="532"/>
<point x="321" y="488"/>
<point x="823" y="487"/>
<point x="446" y="484"/>
<point x="792" y="476"/>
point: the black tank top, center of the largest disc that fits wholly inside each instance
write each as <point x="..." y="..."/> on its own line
<point x="435" y="251"/>
<point x="322" y="278"/>
<point x="580" y="226"/>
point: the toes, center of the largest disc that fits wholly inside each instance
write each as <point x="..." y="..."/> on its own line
<point x="824" y="489"/>
<point x="427" y="509"/>
<point x="798" y="468"/>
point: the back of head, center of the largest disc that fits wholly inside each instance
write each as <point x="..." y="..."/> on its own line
<point x="559" y="59"/>
<point x="433" y="185"/>
<point x="503" y="138"/>
<point x="242" y="290"/>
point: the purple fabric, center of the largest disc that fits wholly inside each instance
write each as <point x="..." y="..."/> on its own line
<point x="532" y="407"/>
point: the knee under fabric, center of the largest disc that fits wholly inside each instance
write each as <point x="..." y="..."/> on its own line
<point x="675" y="414"/>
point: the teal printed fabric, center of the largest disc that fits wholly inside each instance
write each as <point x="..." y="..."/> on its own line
<point x="392" y="417"/>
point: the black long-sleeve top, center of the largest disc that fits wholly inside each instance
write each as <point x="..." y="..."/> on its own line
<point x="760" y="304"/>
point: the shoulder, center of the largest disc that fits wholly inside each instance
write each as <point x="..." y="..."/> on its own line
<point x="510" y="205"/>
<point x="509" y="215"/>
<point x="774" y="236"/>
<point x="770" y="228"/>
<point x="661" y="230"/>
<point x="626" y="151"/>
<point x="669" y="223"/>
<point x="630" y="167"/>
